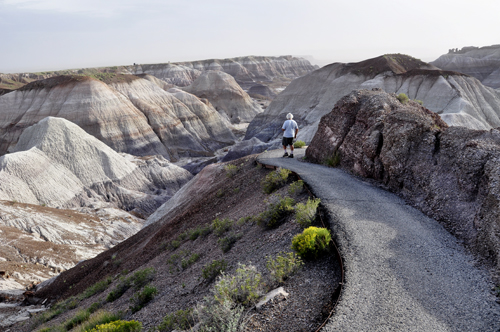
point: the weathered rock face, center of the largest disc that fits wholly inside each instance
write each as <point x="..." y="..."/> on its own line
<point x="450" y="173"/>
<point x="57" y="164"/>
<point x="482" y="63"/>
<point x="225" y="95"/>
<point x="129" y="114"/>
<point x="459" y="99"/>
<point x="245" y="70"/>
<point x="260" y="90"/>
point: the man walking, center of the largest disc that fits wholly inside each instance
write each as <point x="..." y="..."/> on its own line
<point x="290" y="130"/>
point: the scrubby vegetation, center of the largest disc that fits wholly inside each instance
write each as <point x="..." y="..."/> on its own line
<point x="305" y="213"/>
<point x="312" y="242"/>
<point x="213" y="269"/>
<point x="283" y="266"/>
<point x="403" y="98"/>
<point x="299" y="144"/>
<point x="275" y="180"/>
<point x="279" y="208"/>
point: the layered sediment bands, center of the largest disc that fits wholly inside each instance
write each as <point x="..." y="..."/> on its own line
<point x="225" y="95"/>
<point x="450" y="173"/>
<point x="460" y="100"/>
<point x="482" y="63"/>
<point x="245" y="70"/>
<point x="58" y="164"/>
<point x="129" y="114"/>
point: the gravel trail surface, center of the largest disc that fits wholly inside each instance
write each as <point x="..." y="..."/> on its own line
<point x="403" y="270"/>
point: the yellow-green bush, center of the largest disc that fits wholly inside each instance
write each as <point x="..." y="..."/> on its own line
<point x="311" y="242"/>
<point x="305" y="213"/>
<point x="275" y="180"/>
<point x="403" y="98"/>
<point x="283" y="266"/>
<point x="244" y="287"/>
<point x="299" y="144"/>
<point x="119" y="326"/>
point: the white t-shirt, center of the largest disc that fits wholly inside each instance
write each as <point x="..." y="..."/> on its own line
<point x="289" y="126"/>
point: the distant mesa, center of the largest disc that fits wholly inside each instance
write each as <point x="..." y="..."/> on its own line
<point x="459" y="99"/>
<point x="482" y="63"/>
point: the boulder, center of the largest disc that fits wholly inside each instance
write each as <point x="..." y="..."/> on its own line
<point x="247" y="147"/>
<point x="450" y="173"/>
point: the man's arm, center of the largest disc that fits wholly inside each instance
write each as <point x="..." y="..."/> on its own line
<point x="296" y="131"/>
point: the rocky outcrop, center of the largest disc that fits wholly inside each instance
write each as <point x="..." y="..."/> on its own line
<point x="261" y="91"/>
<point x="482" y="63"/>
<point x="57" y="164"/>
<point x="225" y="95"/>
<point x="450" y="173"/>
<point x="459" y="99"/>
<point x="129" y="114"/>
<point x="245" y="70"/>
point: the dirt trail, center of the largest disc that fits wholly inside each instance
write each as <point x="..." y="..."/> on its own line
<point x="403" y="270"/>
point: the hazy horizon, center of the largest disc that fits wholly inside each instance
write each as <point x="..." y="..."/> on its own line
<point x="47" y="35"/>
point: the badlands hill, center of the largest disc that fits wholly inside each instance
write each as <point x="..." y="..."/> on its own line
<point x="225" y="95"/>
<point x="459" y="99"/>
<point x="450" y="173"/>
<point x="56" y="166"/>
<point x="128" y="113"/>
<point x="482" y="63"/>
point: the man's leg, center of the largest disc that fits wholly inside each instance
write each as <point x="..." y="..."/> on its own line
<point x="291" y="153"/>
<point x="286" y="154"/>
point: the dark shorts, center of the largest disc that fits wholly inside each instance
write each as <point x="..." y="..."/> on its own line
<point x="287" y="141"/>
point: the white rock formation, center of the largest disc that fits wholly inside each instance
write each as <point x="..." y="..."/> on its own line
<point x="482" y="63"/>
<point x="226" y="95"/>
<point x="459" y="99"/>
<point x="129" y="114"/>
<point x="58" y="164"/>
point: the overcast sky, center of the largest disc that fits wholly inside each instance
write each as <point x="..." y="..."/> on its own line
<point x="42" y="35"/>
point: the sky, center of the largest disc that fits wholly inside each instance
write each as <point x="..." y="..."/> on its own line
<point x="43" y="35"/>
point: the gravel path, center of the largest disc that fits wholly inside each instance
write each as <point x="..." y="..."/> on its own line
<point x="403" y="270"/>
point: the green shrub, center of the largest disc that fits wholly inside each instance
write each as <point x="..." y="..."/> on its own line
<point x="80" y="317"/>
<point x="299" y="144"/>
<point x="245" y="287"/>
<point x="185" y="263"/>
<point x="98" y="287"/>
<point x="420" y="102"/>
<point x="143" y="277"/>
<point x="311" y="242"/>
<point x="230" y="170"/>
<point x="275" y="180"/>
<point x="119" y="326"/>
<point x="94" y="307"/>
<point x="194" y="233"/>
<point x="283" y="266"/>
<point x="98" y="318"/>
<point x="219" y="193"/>
<point x="141" y="298"/>
<point x="226" y="243"/>
<point x="333" y="160"/>
<point x="174" y="244"/>
<point x="179" y="320"/>
<point x="276" y="212"/>
<point x="296" y="187"/>
<point x="214" y="316"/>
<point x="212" y="270"/>
<point x="221" y="226"/>
<point x="305" y="213"/>
<point x="123" y="285"/>
<point x="244" y="220"/>
<point x="403" y="98"/>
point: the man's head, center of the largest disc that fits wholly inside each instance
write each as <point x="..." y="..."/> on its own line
<point x="289" y="116"/>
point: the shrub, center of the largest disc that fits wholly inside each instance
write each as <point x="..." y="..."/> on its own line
<point x="190" y="261"/>
<point x="275" y="180"/>
<point x="143" y="277"/>
<point x="230" y="170"/>
<point x="179" y="320"/>
<point x="123" y="285"/>
<point x="94" y="307"/>
<point x="403" y="98"/>
<point x="98" y="318"/>
<point x="296" y="187"/>
<point x="305" y="213"/>
<point x="420" y="102"/>
<point x="214" y="316"/>
<point x="140" y="299"/>
<point x="98" y="287"/>
<point x="333" y="160"/>
<point x="244" y="287"/>
<point x="244" y="220"/>
<point x="219" y="193"/>
<point x="174" y="244"/>
<point x="194" y="233"/>
<point x="119" y="326"/>
<point x="80" y="317"/>
<point x="221" y="226"/>
<point x="299" y="144"/>
<point x="276" y="212"/>
<point x="283" y="266"/>
<point x="227" y="242"/>
<point x="212" y="270"/>
<point x="311" y="242"/>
